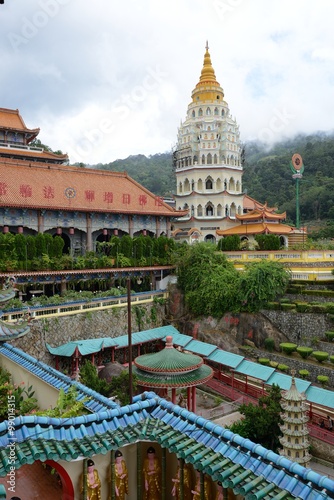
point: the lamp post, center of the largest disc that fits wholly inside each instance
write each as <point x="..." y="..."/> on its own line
<point x="128" y="287"/>
<point x="297" y="167"/>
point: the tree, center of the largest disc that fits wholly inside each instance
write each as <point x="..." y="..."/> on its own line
<point x="120" y="387"/>
<point x="260" y="283"/>
<point x="208" y="279"/>
<point x="67" y="405"/>
<point x="89" y="377"/>
<point x="261" y="423"/>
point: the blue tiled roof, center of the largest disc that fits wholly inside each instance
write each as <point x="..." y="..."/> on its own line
<point x="284" y="381"/>
<point x="238" y="463"/>
<point x="226" y="358"/>
<point x="10" y="331"/>
<point x="202" y="348"/>
<point x="55" y="378"/>
<point x="255" y="370"/>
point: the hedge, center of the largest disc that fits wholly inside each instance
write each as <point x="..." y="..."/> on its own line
<point x="329" y="335"/>
<point x="288" y="347"/>
<point x="331" y="359"/>
<point x="320" y="356"/>
<point x="322" y="379"/>
<point x="264" y="361"/>
<point x="304" y="352"/>
<point x="269" y="344"/>
<point x="304" y="373"/>
<point x="283" y="368"/>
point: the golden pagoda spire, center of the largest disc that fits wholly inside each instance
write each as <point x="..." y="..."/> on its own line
<point x="208" y="73"/>
<point x="207" y="88"/>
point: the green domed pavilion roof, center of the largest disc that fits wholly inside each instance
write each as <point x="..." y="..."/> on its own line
<point x="173" y="380"/>
<point x="169" y="360"/>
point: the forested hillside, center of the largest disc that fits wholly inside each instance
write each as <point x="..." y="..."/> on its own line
<point x="267" y="175"/>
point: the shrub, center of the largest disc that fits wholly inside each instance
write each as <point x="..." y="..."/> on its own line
<point x="323" y="380"/>
<point x="283" y="368"/>
<point x="264" y="361"/>
<point x="330" y="336"/>
<point x="331" y="359"/>
<point x="304" y="374"/>
<point x="303" y="307"/>
<point x="304" y="352"/>
<point x="274" y="364"/>
<point x="273" y="306"/>
<point x="318" y="308"/>
<point x="269" y="344"/>
<point x="288" y="347"/>
<point x="288" y="307"/>
<point x="320" y="356"/>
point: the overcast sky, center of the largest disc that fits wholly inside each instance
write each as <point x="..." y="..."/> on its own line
<point x="106" y="79"/>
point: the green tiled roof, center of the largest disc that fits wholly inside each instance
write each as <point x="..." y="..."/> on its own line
<point x="193" y="378"/>
<point x="10" y="331"/>
<point x="168" y="360"/>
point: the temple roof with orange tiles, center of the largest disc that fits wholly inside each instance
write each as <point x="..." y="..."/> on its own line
<point x="31" y="177"/>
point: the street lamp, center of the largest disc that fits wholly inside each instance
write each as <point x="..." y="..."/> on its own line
<point x="297" y="168"/>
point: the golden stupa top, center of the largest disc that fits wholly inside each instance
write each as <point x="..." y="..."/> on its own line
<point x="208" y="73"/>
<point x="207" y="81"/>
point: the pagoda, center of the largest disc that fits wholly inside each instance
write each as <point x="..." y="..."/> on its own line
<point x="207" y="161"/>
<point x="169" y="370"/>
<point x="295" y="433"/>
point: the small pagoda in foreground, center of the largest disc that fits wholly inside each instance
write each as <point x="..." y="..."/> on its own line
<point x="169" y="370"/>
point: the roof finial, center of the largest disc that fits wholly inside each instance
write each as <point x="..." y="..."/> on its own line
<point x="207" y="45"/>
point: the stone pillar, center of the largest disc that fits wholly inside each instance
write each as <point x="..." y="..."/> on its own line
<point x="130" y="220"/>
<point x="40" y="221"/>
<point x="89" y="240"/>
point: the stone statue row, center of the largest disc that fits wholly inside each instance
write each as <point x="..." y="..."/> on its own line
<point x="152" y="480"/>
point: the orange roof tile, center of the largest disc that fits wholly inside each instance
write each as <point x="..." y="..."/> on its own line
<point x="42" y="155"/>
<point x="250" y="203"/>
<point x="11" y="118"/>
<point x="77" y="189"/>
<point x="261" y="214"/>
<point x="260" y="228"/>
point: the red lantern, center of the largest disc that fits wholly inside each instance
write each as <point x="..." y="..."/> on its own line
<point x="59" y="230"/>
<point x="71" y="231"/>
<point x="6" y="229"/>
<point x="20" y="229"/>
<point x="105" y="232"/>
<point x="115" y="232"/>
<point x="144" y="232"/>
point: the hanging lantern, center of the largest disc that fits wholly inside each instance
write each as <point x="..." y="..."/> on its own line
<point x="6" y="229"/>
<point x="71" y="231"/>
<point x="59" y="230"/>
<point x="115" y="232"/>
<point x="144" y="232"/>
<point x="20" y="229"/>
<point x="105" y="232"/>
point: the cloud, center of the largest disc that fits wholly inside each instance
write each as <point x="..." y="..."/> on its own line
<point x="110" y="79"/>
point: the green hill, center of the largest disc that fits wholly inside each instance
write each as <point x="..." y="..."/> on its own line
<point x="267" y="175"/>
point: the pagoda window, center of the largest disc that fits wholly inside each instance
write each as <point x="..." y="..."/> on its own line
<point x="223" y="112"/>
<point x="2" y="136"/>
<point x="233" y="210"/>
<point x="195" y="160"/>
<point x="289" y="426"/>
<point x="227" y="211"/>
<point x="206" y="137"/>
<point x="203" y="159"/>
<point x="209" y="128"/>
<point x="10" y="137"/>
<point x="192" y="185"/>
<point x="239" y="210"/>
<point x="296" y="441"/>
<point x="218" y="184"/>
<point x="216" y="112"/>
<point x="296" y="427"/>
<point x="192" y="210"/>
<point x="289" y="453"/>
<point x="208" y="111"/>
<point x="185" y="206"/>
<point x="180" y="187"/>
<point x="231" y="185"/>
<point x="219" y="210"/>
<point x="200" y="112"/>
<point x="193" y="114"/>
<point x="297" y="454"/>
<point x="225" y="184"/>
<point x="228" y="160"/>
<point x="289" y="439"/>
<point x="200" y="211"/>
<point x="200" y="185"/>
<point x="209" y="210"/>
<point x="209" y="159"/>
<point x="186" y="186"/>
<point x="215" y="158"/>
<point x="209" y="184"/>
<point x="237" y="186"/>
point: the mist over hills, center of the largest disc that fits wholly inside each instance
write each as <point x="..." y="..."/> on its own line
<point x="267" y="174"/>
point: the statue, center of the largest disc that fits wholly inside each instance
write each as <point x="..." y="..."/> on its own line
<point x="152" y="476"/>
<point x="187" y="473"/>
<point x="219" y="494"/>
<point x="121" y="476"/>
<point x="207" y="487"/>
<point x="93" y="482"/>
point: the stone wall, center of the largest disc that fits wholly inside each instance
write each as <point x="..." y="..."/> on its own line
<point x="87" y="325"/>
